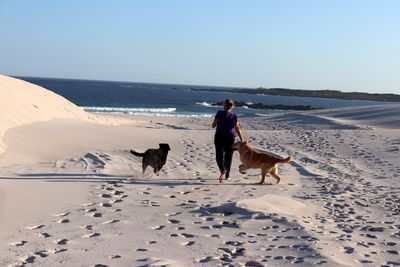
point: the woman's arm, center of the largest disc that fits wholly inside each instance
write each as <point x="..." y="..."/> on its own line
<point x="239" y="132"/>
<point x="214" y="123"/>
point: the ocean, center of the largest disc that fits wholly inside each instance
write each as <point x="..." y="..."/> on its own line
<point x="132" y="98"/>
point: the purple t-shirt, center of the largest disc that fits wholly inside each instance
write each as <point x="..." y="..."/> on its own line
<point x="226" y="122"/>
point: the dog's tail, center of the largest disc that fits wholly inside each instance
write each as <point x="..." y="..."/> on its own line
<point x="285" y="160"/>
<point x="137" y="153"/>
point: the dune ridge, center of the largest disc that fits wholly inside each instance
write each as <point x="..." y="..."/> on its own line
<point x="382" y="116"/>
<point x="22" y="102"/>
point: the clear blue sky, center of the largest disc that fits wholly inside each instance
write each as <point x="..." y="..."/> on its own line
<point x="349" y="45"/>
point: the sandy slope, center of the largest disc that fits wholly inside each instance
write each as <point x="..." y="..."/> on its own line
<point x="22" y="103"/>
<point x="382" y="116"/>
<point x="87" y="204"/>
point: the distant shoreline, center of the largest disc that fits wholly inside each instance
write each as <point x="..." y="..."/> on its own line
<point x="332" y="94"/>
<point x="327" y="94"/>
<point x="269" y="107"/>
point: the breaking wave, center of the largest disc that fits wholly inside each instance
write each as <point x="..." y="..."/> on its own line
<point x="161" y="112"/>
<point x="204" y="104"/>
<point x="128" y="110"/>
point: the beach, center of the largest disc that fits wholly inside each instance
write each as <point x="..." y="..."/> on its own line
<point x="71" y="194"/>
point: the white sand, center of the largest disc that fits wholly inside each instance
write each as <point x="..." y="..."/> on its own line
<point x="72" y="195"/>
<point x="22" y="103"/>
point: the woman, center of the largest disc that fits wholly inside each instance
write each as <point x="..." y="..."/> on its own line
<point x="227" y="125"/>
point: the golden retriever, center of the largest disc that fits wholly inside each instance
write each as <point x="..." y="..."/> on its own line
<point x="253" y="159"/>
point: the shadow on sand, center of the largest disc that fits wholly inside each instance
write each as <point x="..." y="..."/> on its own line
<point x="126" y="179"/>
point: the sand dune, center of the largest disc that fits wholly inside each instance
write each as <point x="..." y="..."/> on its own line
<point x="384" y="116"/>
<point x="379" y="116"/>
<point x="22" y="103"/>
<point x="73" y="194"/>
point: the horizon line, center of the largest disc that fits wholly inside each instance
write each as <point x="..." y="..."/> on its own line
<point x="198" y="85"/>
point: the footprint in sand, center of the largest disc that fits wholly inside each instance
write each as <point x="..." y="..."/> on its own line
<point x="90" y="210"/>
<point x="91" y="235"/>
<point x="88" y="204"/>
<point x="290" y="258"/>
<point x="188" y="244"/>
<point x="111" y="257"/>
<point x="116" y="210"/>
<point x="28" y="259"/>
<point x="348" y="250"/>
<point x="205" y="260"/>
<point x="365" y="261"/>
<point x="283" y="247"/>
<point x="19" y="243"/>
<point x="62" y="214"/>
<point x="56" y="250"/>
<point x="390" y="244"/>
<point x="298" y="260"/>
<point x="42" y="253"/>
<point x="234" y="243"/>
<point x="173" y="221"/>
<point x="110" y="221"/>
<point x="159" y="227"/>
<point x="154" y="204"/>
<point x="117" y="192"/>
<point x="96" y="214"/>
<point x="43" y="234"/>
<point x="34" y="227"/>
<point x="253" y="264"/>
<point x="65" y="220"/>
<point x="62" y="241"/>
<point x="185" y="235"/>
<point x="172" y="214"/>
<point x="87" y="226"/>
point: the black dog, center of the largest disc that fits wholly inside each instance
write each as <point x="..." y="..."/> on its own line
<point x="156" y="158"/>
